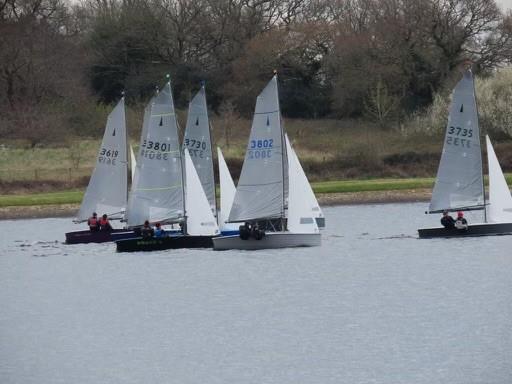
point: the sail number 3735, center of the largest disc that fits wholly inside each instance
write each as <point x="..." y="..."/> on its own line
<point x="460" y="136"/>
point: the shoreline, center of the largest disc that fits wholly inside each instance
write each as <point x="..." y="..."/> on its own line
<point x="324" y="199"/>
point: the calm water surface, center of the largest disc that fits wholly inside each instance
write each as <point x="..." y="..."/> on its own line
<point x="374" y="304"/>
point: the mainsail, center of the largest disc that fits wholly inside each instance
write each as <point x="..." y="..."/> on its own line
<point x="107" y="189"/>
<point x="499" y="209"/>
<point x="198" y="141"/>
<point x="459" y="181"/>
<point x="157" y="190"/>
<point x="260" y="193"/>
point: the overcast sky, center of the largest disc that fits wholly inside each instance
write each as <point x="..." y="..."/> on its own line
<point x="506" y="4"/>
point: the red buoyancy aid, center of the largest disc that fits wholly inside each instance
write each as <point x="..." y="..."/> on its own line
<point x="93" y="222"/>
<point x="104" y="222"/>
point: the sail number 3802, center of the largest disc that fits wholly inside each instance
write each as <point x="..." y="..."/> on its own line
<point x="260" y="149"/>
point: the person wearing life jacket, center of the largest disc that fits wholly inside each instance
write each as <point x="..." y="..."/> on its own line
<point x="447" y="221"/>
<point x="104" y="224"/>
<point x="93" y="222"/>
<point x="146" y="231"/>
<point x="158" y="231"/>
<point x="461" y="222"/>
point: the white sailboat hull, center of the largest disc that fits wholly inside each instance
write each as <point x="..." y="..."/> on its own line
<point x="271" y="240"/>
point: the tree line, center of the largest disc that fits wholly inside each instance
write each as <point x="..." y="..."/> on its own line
<point x="383" y="59"/>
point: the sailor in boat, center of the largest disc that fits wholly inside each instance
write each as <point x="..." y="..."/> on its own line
<point x="158" y="231"/>
<point x="447" y="221"/>
<point x="93" y="223"/>
<point x="461" y="222"/>
<point x="105" y="224"/>
<point x="146" y="231"/>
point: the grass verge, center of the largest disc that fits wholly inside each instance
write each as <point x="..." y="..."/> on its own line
<point x="64" y="197"/>
<point x="342" y="186"/>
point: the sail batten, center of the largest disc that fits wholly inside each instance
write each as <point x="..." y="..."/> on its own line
<point x="157" y="189"/>
<point x="107" y="189"/>
<point x="459" y="181"/>
<point x="261" y="188"/>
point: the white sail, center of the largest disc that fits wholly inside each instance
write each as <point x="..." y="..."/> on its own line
<point x="301" y="200"/>
<point x="133" y="162"/>
<point x="157" y="191"/>
<point x="459" y="181"/>
<point x="198" y="141"/>
<point x="200" y="219"/>
<point x="260" y="193"/>
<point x="227" y="194"/>
<point x="309" y="199"/>
<point x="499" y="209"/>
<point x="107" y="189"/>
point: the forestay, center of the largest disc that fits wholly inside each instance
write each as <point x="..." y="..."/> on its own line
<point x="499" y="209"/>
<point x="198" y="141"/>
<point x="157" y="191"/>
<point x="200" y="219"/>
<point x="459" y="181"/>
<point x="301" y="216"/>
<point x="107" y="189"/>
<point x="260" y="191"/>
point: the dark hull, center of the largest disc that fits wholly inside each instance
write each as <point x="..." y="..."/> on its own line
<point x="82" y="237"/>
<point x="158" y="244"/>
<point x="487" y="229"/>
<point x="130" y="234"/>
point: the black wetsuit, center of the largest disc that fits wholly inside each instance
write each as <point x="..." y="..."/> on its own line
<point x="146" y="232"/>
<point x="448" y="222"/>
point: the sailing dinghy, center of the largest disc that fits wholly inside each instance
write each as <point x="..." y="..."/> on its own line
<point x="269" y="197"/>
<point x="158" y="192"/>
<point x="459" y="183"/>
<point x="108" y="186"/>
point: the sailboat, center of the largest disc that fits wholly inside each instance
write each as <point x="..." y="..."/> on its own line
<point x="159" y="192"/>
<point x="107" y="190"/>
<point x="270" y="192"/>
<point x="227" y="195"/>
<point x="459" y="184"/>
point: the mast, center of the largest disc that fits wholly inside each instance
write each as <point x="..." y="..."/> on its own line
<point x="481" y="149"/>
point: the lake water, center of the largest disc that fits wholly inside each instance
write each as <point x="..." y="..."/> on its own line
<point x="374" y="304"/>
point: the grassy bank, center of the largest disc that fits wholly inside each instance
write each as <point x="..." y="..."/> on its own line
<point x="325" y="187"/>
